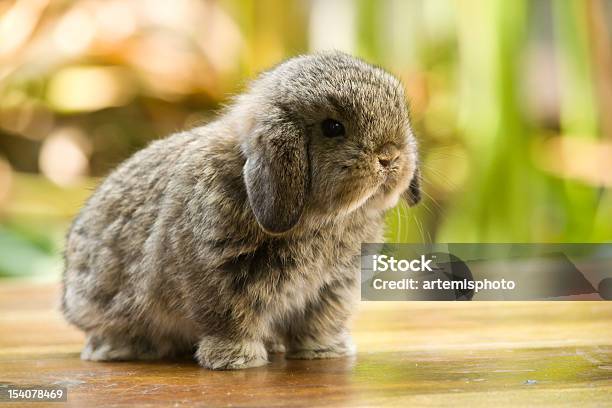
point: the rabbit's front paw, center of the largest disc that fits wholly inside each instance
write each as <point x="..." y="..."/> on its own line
<point x="218" y="353"/>
<point x="310" y="350"/>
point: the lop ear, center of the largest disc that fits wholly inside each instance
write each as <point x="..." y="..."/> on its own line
<point x="276" y="175"/>
<point x="412" y="195"/>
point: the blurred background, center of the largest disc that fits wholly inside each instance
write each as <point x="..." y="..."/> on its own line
<point x="511" y="102"/>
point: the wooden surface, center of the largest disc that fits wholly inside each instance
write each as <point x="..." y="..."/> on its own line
<point x="410" y="354"/>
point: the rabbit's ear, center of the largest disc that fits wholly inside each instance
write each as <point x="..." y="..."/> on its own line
<point x="412" y="195"/>
<point x="276" y="174"/>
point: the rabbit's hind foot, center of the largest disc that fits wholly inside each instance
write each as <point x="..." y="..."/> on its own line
<point x="109" y="348"/>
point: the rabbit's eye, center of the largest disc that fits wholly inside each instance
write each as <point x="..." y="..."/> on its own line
<point x="332" y="128"/>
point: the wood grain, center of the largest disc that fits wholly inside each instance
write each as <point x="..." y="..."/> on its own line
<point x="417" y="353"/>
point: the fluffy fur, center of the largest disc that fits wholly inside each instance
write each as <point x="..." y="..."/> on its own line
<point x="243" y="236"/>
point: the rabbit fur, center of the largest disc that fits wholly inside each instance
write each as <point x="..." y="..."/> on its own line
<point x="242" y="237"/>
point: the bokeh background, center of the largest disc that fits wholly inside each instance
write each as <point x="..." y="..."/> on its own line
<point x="511" y="101"/>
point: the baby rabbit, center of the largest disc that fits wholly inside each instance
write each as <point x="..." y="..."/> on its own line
<point x="242" y="237"/>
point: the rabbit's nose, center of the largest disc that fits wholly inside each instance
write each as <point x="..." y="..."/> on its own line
<point x="384" y="162"/>
<point x="387" y="160"/>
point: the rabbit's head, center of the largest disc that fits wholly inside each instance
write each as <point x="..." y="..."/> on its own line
<point x="326" y="134"/>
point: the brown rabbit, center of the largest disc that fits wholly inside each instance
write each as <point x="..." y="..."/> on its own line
<point x="244" y="235"/>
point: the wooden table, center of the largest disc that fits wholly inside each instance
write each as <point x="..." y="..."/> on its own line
<point x="410" y="354"/>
